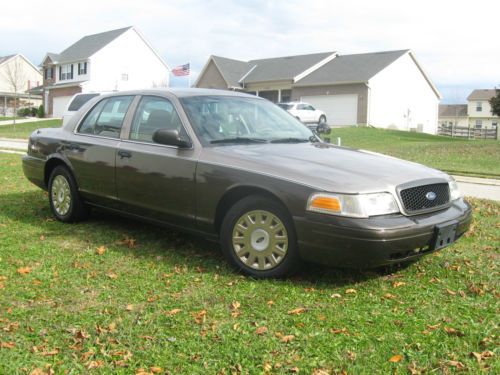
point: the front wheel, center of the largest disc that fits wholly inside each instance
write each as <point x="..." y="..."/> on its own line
<point x="65" y="201"/>
<point x="258" y="238"/>
<point x="322" y="120"/>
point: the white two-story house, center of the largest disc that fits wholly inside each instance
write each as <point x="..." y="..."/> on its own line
<point x="110" y="61"/>
<point x="479" y="109"/>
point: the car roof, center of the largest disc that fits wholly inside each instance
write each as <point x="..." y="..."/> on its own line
<point x="184" y="92"/>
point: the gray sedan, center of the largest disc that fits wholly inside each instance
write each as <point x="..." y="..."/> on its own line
<point x="238" y="169"/>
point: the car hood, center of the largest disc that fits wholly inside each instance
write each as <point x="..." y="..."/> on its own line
<point x="323" y="166"/>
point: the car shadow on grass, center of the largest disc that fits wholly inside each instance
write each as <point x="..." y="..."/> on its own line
<point x="154" y="241"/>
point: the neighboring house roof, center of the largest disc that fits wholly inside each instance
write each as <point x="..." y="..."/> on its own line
<point x="351" y="68"/>
<point x="453" y="110"/>
<point x="231" y="70"/>
<point x="483" y="94"/>
<point x="5" y="58"/>
<point x="282" y="68"/>
<point x="88" y="45"/>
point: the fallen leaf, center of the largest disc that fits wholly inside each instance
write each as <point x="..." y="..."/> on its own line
<point x="350" y="291"/>
<point x="396" y="358"/>
<point x="156" y="369"/>
<point x="50" y="353"/>
<point x="320" y="372"/>
<point x="24" y="270"/>
<point x="129" y="307"/>
<point x="453" y="332"/>
<point x="267" y="367"/>
<point x="337" y="331"/>
<point x="335" y="295"/>
<point x="433" y="327"/>
<point x="451" y="292"/>
<point x="112" y="275"/>
<point x="389" y="296"/>
<point x="128" y="241"/>
<point x="481" y="356"/>
<point x="95" y="364"/>
<point x="287" y="338"/>
<point x="7" y="345"/>
<point x="456" y="364"/>
<point x="261" y="330"/>
<point x="297" y="311"/>
<point x="100" y="250"/>
<point x="199" y="317"/>
<point x="42" y="238"/>
<point x="397" y="284"/>
<point x="173" y="312"/>
<point x="295" y="370"/>
<point x="270" y="303"/>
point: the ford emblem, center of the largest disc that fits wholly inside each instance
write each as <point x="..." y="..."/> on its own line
<point x="430" y="195"/>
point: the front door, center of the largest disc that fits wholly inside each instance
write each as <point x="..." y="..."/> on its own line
<point x="154" y="180"/>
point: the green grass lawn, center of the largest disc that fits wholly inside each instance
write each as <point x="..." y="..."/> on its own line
<point x="3" y="118"/>
<point x="113" y="295"/>
<point x="459" y="156"/>
<point x="24" y="130"/>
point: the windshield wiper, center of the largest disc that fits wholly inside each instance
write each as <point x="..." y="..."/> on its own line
<point x="291" y="140"/>
<point x="239" y="140"/>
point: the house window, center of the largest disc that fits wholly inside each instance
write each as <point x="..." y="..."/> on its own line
<point x="49" y="73"/>
<point x="82" y="68"/>
<point x="124" y="77"/>
<point x="479" y="106"/>
<point x="66" y="72"/>
<point x="494" y="124"/>
<point x="479" y="124"/>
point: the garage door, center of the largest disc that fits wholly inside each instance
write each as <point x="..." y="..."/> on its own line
<point x="59" y="105"/>
<point x="339" y="109"/>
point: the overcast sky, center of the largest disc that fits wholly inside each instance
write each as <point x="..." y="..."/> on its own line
<point x="455" y="41"/>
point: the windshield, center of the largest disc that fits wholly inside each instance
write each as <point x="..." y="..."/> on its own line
<point x="228" y="119"/>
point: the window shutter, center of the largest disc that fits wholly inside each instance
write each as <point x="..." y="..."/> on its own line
<point x="78" y="68"/>
<point x="60" y="72"/>
<point x="85" y="67"/>
<point x="71" y="71"/>
<point x="46" y="71"/>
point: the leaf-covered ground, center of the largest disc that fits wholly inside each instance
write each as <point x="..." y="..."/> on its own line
<point x="113" y="295"/>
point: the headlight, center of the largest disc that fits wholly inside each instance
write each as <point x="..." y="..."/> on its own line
<point x="356" y="205"/>
<point x="454" y="191"/>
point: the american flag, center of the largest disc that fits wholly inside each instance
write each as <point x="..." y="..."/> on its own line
<point x="181" y="70"/>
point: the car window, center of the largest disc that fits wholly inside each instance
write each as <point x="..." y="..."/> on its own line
<point x="79" y="100"/>
<point x="301" y="106"/>
<point x="285" y="106"/>
<point x="309" y="107"/>
<point x="154" y="113"/>
<point x="106" y="118"/>
<point x="219" y="118"/>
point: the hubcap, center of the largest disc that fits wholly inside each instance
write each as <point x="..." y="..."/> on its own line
<point x="260" y="240"/>
<point x="61" y="195"/>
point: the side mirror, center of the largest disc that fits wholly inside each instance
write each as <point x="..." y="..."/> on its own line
<point x="323" y="129"/>
<point x="170" y="137"/>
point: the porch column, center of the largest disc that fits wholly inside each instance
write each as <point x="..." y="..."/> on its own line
<point x="5" y="105"/>
<point x="279" y="95"/>
<point x="256" y="92"/>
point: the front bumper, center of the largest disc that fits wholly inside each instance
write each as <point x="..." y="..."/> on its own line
<point x="376" y="241"/>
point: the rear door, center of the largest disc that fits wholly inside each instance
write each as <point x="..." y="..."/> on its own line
<point x="92" y="148"/>
<point x="154" y="180"/>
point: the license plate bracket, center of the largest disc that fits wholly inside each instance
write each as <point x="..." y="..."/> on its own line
<point x="445" y="235"/>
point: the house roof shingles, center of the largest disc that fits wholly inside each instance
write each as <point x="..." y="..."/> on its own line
<point x="232" y="70"/>
<point x="453" y="110"/>
<point x="87" y="46"/>
<point x="5" y="58"/>
<point x="351" y="68"/>
<point x="482" y="94"/>
<point x="282" y="68"/>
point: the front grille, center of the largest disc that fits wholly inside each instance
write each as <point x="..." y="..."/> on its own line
<point x="414" y="199"/>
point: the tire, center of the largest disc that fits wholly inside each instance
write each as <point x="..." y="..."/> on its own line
<point x="267" y="248"/>
<point x="322" y="120"/>
<point x="65" y="201"/>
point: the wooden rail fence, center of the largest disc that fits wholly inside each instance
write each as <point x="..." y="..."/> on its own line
<point x="469" y="133"/>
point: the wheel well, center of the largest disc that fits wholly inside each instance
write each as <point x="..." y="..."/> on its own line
<point x="49" y="167"/>
<point x="236" y="194"/>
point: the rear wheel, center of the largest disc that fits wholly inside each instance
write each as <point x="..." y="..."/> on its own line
<point x="258" y="238"/>
<point x="65" y="201"/>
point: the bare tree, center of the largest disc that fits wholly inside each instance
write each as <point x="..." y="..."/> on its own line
<point x="15" y="77"/>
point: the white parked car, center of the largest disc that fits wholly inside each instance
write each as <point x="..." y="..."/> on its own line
<point x="77" y="102"/>
<point x="304" y="112"/>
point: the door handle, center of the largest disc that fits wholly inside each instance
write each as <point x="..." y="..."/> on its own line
<point x="74" y="146"/>
<point x="124" y="154"/>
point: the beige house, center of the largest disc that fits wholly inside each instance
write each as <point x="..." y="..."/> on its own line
<point x="476" y="114"/>
<point x="18" y="77"/>
<point x="387" y="89"/>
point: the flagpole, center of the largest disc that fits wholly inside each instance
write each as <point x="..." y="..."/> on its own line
<point x="189" y="75"/>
